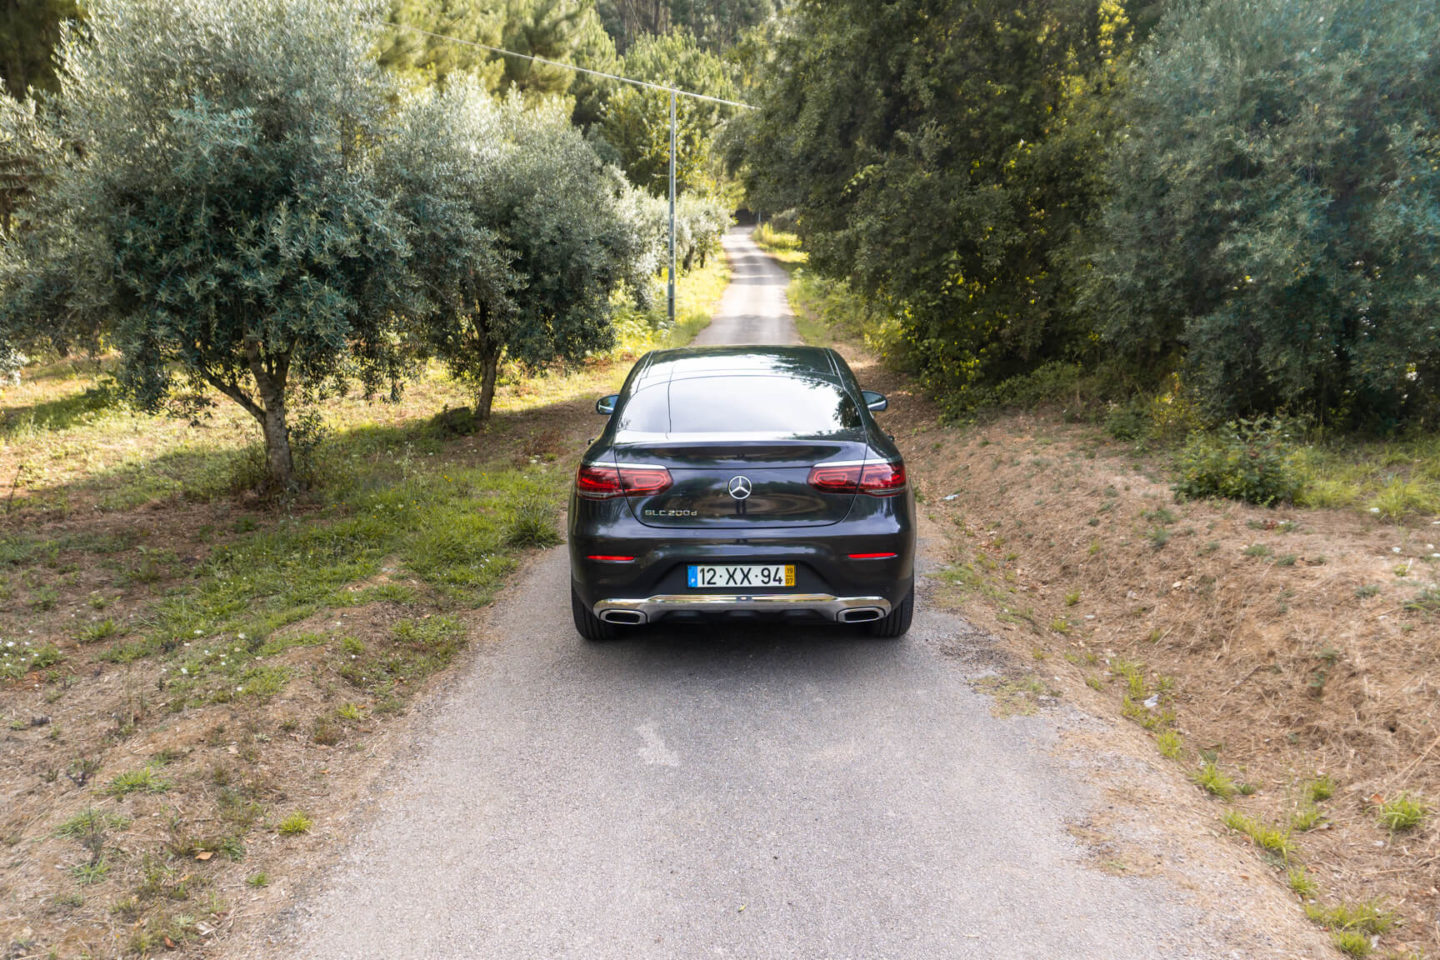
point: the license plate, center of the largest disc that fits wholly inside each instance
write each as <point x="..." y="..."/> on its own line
<point x="749" y="575"/>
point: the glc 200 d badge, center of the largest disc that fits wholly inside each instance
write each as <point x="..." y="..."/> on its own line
<point x="672" y="513"/>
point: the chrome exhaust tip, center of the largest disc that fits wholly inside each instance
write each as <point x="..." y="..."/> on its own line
<point x="628" y="617"/>
<point x="861" y="615"/>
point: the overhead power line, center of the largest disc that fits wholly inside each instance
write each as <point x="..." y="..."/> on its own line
<point x="675" y="91"/>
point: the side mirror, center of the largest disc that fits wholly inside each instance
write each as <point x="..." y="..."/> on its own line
<point x="606" y="405"/>
<point x="875" y="401"/>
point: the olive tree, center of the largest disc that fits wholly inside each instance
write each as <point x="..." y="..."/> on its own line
<point x="220" y="208"/>
<point x="520" y="234"/>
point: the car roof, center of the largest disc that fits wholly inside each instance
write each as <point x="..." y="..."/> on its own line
<point x="735" y="361"/>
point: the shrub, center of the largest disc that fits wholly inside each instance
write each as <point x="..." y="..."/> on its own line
<point x="1250" y="460"/>
<point x="1128" y="423"/>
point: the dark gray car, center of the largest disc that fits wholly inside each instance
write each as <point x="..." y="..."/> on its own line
<point x="741" y="482"/>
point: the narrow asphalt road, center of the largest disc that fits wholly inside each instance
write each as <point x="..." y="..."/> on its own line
<point x="730" y="792"/>
<point x="754" y="308"/>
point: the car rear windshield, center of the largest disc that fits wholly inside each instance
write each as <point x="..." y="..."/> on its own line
<point x="752" y="405"/>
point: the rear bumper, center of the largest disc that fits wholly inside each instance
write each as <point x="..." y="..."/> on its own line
<point x="839" y="609"/>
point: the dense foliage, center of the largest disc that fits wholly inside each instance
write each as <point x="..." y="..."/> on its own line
<point x="1248" y="196"/>
<point x="637" y="120"/>
<point x="29" y="30"/>
<point x="718" y="24"/>
<point x="944" y="156"/>
<point x="520" y="235"/>
<point x="1276" y="220"/>
<point x="218" y="222"/>
<point x="238" y="198"/>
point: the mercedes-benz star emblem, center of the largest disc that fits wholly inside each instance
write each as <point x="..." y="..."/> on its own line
<point x="740" y="488"/>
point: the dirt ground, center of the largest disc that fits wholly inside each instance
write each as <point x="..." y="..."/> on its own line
<point x="1281" y="646"/>
<point x="200" y="851"/>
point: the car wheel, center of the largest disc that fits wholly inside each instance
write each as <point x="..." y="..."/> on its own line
<point x="591" y="627"/>
<point x="897" y="624"/>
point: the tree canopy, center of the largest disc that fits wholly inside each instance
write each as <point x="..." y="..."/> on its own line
<point x="520" y="234"/>
<point x="943" y="155"/>
<point x="1276" y="219"/>
<point x="637" y="120"/>
<point x="219" y="222"/>
<point x="29" y="31"/>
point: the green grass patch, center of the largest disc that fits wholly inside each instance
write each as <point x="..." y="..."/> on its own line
<point x="137" y="781"/>
<point x="1320" y="789"/>
<point x="1214" y="780"/>
<point x="1366" y="918"/>
<point x="781" y="245"/>
<point x="1301" y="883"/>
<point x="1402" y="813"/>
<point x="296" y="823"/>
<point x="1426" y="602"/>
<point x="1267" y="838"/>
<point x="19" y="657"/>
<point x="1306" y="817"/>
<point x="1170" y="744"/>
<point x="89" y="822"/>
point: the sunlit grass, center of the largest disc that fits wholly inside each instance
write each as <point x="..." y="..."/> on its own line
<point x="783" y="246"/>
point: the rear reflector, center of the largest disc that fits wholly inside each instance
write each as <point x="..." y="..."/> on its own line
<point x="873" y="556"/>
<point x="607" y="558"/>
<point x="876" y="479"/>
<point x="597" y="482"/>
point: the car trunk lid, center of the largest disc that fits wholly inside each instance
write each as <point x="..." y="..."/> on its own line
<point x="730" y="483"/>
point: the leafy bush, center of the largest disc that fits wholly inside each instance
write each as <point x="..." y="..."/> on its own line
<point x="1250" y="460"/>
<point x="1128" y="423"/>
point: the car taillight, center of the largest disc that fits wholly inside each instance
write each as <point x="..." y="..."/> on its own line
<point x="601" y="483"/>
<point x="876" y="479"/>
<point x="644" y="481"/>
<point x="883" y="479"/>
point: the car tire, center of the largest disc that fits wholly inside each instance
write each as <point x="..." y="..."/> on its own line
<point x="591" y="627"/>
<point x="897" y="624"/>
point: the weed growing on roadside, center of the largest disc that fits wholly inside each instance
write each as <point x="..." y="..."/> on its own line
<point x="1302" y="883"/>
<point x="1320" y="789"/>
<point x="1351" y="942"/>
<point x="1426" y="602"/>
<point x="1365" y="918"/>
<point x="532" y="524"/>
<point x="1267" y="838"/>
<point x="1402" y="813"/>
<point x="294" y="824"/>
<point x="1170" y="744"/>
<point x="97" y="632"/>
<point x="137" y="781"/>
<point x="1215" y="781"/>
<point x="1307" y="817"/>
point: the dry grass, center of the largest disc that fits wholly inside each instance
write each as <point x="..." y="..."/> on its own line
<point x="1302" y="645"/>
<point x="194" y="682"/>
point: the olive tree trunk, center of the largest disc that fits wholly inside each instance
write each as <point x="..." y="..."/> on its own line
<point x="489" y="373"/>
<point x="270" y="372"/>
